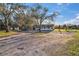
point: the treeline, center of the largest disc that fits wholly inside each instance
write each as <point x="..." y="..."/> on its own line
<point x="22" y="16"/>
<point x="67" y="26"/>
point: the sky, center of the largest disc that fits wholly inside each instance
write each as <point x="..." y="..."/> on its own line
<point x="69" y="12"/>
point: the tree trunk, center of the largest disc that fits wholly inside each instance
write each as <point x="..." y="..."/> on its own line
<point x="40" y="29"/>
<point x="60" y="29"/>
<point x="7" y="26"/>
<point x="7" y="29"/>
<point x="40" y="25"/>
<point x="66" y="28"/>
<point x="13" y="28"/>
<point x="19" y="29"/>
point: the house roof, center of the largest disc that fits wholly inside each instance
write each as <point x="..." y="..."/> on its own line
<point x="47" y="22"/>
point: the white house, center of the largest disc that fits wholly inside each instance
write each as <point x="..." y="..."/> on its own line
<point x="47" y="25"/>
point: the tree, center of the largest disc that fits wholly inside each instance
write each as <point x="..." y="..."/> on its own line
<point x="39" y="13"/>
<point x="21" y="16"/>
<point x="24" y="15"/>
<point x="6" y="10"/>
<point x="1" y="25"/>
<point x="53" y="16"/>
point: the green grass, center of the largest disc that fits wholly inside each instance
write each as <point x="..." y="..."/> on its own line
<point x="73" y="46"/>
<point x="62" y="30"/>
<point x="4" y="34"/>
<point x="69" y="30"/>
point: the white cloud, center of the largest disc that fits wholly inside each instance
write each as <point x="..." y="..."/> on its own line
<point x="77" y="17"/>
<point x="60" y="16"/>
<point x="70" y="21"/>
<point x="77" y="14"/>
<point x="59" y="4"/>
<point x="58" y="23"/>
<point x="73" y="21"/>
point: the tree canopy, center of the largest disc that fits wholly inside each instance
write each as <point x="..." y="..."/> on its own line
<point x="24" y="16"/>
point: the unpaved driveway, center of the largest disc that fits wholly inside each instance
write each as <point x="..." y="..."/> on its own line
<point x="30" y="44"/>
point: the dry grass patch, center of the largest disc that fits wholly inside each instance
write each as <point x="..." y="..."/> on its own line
<point x="4" y="34"/>
<point x="73" y="45"/>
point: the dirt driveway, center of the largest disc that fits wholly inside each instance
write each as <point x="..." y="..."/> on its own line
<point x="30" y="44"/>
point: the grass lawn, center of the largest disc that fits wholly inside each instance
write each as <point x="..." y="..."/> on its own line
<point x="4" y="34"/>
<point x="62" y="30"/>
<point x="73" y="46"/>
<point x="69" y="30"/>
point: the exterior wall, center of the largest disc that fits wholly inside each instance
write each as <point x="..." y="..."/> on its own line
<point x="45" y="27"/>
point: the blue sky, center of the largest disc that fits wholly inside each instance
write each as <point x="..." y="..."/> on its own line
<point x="69" y="12"/>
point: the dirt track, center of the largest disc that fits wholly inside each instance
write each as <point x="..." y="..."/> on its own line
<point x="29" y="44"/>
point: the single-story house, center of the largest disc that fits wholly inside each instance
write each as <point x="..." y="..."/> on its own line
<point x="47" y="25"/>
